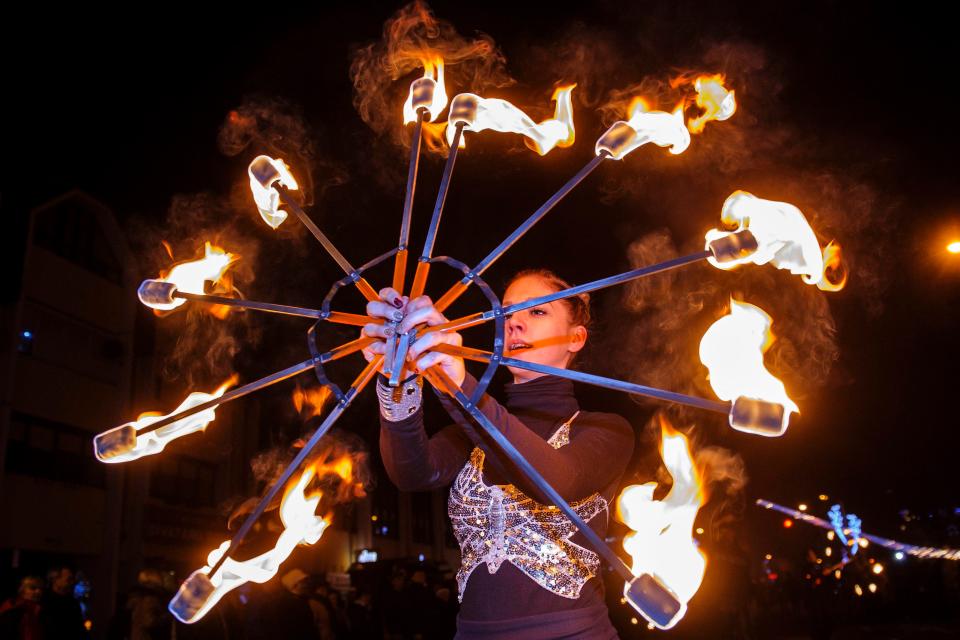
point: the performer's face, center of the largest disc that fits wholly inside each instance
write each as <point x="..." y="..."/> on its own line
<point x="544" y="334"/>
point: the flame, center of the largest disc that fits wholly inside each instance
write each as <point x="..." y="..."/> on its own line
<point x="833" y="267"/>
<point x="263" y="172"/>
<point x="310" y="401"/>
<point x="503" y="116"/>
<point x="667" y="129"/>
<point x="428" y="92"/>
<point x="662" y="543"/>
<point x="784" y="238"/>
<point x="732" y="350"/>
<point x="190" y="276"/>
<point x="954" y="247"/>
<point x="154" y="441"/>
<point x="713" y="98"/>
<point x="301" y="525"/>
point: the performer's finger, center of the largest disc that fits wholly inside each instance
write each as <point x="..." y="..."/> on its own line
<point x="384" y="310"/>
<point x="382" y="331"/>
<point x="431" y="340"/>
<point x="391" y="296"/>
<point x="420" y="302"/>
<point x="431" y="359"/>
<point x="428" y="315"/>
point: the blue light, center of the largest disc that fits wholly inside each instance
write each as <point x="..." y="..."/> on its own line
<point x="27" y="335"/>
<point x="898" y="555"/>
<point x="420" y="557"/>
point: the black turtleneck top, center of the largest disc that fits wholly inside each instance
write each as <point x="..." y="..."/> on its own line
<point x="593" y="462"/>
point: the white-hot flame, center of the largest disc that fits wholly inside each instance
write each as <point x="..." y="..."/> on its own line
<point x="659" y="127"/>
<point x="732" y="350"/>
<point x="661" y="543"/>
<point x="264" y="171"/>
<point x="154" y="441"/>
<point x="191" y="276"/>
<point x="784" y="238"/>
<point x="428" y="92"/>
<point x="499" y="115"/>
<point x="301" y="526"/>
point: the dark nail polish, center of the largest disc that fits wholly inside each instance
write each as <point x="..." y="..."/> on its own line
<point x="398" y="303"/>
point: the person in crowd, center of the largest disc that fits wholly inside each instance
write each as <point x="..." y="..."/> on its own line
<point x="20" y="616"/>
<point x="60" y="613"/>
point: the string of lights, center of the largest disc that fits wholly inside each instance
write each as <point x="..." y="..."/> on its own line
<point x="887" y="543"/>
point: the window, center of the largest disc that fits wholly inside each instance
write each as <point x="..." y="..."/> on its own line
<point x="47" y="449"/>
<point x="71" y="230"/>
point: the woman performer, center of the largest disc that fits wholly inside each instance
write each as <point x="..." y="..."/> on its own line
<point x="525" y="572"/>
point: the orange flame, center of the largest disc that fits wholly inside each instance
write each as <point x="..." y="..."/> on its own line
<point x="302" y="526"/>
<point x="154" y="441"/>
<point x="667" y="129"/>
<point x="479" y="113"/>
<point x="428" y="92"/>
<point x="713" y="98"/>
<point x="190" y="277"/>
<point x="310" y="401"/>
<point x="662" y="543"/>
<point x="834" y="270"/>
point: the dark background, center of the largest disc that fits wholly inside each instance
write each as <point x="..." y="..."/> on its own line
<point x="127" y="108"/>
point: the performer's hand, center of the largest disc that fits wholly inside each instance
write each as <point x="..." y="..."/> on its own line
<point x="421" y="311"/>
<point x="391" y="307"/>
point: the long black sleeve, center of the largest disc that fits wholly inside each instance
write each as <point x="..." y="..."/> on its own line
<point x="416" y="462"/>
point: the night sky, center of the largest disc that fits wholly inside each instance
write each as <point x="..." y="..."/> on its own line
<point x="855" y="98"/>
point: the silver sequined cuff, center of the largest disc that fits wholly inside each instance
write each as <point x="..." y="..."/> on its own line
<point x="400" y="402"/>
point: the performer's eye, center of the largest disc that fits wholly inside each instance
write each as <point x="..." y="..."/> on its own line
<point x="538" y="312"/>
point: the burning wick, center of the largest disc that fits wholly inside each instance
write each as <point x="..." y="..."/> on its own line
<point x="264" y="171"/>
<point x="478" y="114"/>
<point x="188" y="277"/>
<point x="732" y="350"/>
<point x="954" y="247"/>
<point x="781" y="236"/>
<point x="666" y="559"/>
<point x="122" y="444"/>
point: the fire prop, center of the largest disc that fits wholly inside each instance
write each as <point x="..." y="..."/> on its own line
<point x="661" y="544"/>
<point x="754" y="401"/>
<point x="863" y="538"/>
<point x="204" y="588"/>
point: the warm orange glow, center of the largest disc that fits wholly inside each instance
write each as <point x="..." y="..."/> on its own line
<point x="732" y="350"/>
<point x="479" y="114"/>
<point x="428" y="92"/>
<point x="878" y="568"/>
<point x="662" y="543"/>
<point x="302" y="526"/>
<point x="785" y="240"/>
<point x="713" y="98"/>
<point x="155" y="441"/>
<point x="310" y="401"/>
<point x="787" y="523"/>
<point x="954" y="247"/>
<point x="192" y="275"/>
<point x="834" y="269"/>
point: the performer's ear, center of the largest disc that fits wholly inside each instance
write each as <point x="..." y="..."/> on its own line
<point x="578" y="338"/>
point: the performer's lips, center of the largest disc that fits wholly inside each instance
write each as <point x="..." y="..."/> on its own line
<point x="517" y="346"/>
